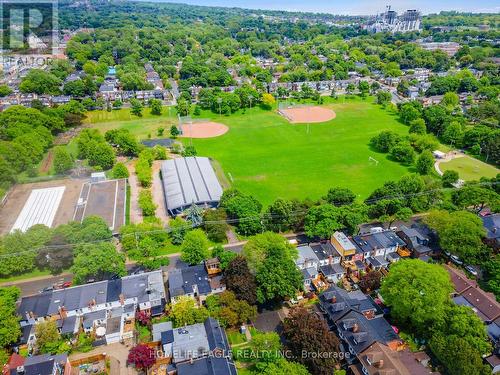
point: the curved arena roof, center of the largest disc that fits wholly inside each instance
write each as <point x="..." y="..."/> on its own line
<point x="187" y="181"/>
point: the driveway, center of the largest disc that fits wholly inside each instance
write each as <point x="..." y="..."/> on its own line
<point x="135" y="211"/>
<point x="157" y="191"/>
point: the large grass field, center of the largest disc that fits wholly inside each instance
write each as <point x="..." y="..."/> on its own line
<point x="266" y="156"/>
<point x="263" y="154"/>
<point x="469" y="168"/>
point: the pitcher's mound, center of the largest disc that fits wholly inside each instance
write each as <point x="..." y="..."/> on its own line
<point x="203" y="129"/>
<point x="298" y="115"/>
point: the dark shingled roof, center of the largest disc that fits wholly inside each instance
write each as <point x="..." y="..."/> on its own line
<point x="215" y="335"/>
<point x="37" y="304"/>
<point x="167" y="337"/>
<point x="181" y="281"/>
<point x="207" y="366"/>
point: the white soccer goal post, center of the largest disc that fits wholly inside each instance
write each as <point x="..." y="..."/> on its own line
<point x="372" y="160"/>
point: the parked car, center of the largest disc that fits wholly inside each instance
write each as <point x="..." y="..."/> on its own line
<point x="456" y="260"/>
<point x="46" y="289"/>
<point x="471" y="270"/>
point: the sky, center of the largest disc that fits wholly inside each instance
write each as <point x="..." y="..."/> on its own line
<point x="355" y="7"/>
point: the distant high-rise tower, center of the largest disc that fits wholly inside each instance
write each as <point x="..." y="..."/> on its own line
<point x="390" y="21"/>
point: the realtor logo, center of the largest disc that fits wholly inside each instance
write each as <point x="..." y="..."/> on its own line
<point x="28" y="27"/>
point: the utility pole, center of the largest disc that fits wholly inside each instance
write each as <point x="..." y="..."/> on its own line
<point x="219" y="100"/>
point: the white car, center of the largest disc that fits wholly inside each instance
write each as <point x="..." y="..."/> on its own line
<point x="456" y="260"/>
<point x="471" y="270"/>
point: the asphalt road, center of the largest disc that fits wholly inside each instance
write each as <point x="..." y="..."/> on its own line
<point x="30" y="287"/>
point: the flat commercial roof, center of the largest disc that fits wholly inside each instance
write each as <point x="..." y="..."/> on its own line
<point x="40" y="208"/>
<point x="187" y="181"/>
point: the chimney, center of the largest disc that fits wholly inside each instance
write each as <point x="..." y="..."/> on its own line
<point x="334" y="299"/>
<point x="355" y="327"/>
<point x="380" y="363"/>
<point x="122" y="299"/>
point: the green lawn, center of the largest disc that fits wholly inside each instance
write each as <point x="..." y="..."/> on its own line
<point x="469" y="168"/>
<point x="266" y="156"/>
<point x="142" y="127"/>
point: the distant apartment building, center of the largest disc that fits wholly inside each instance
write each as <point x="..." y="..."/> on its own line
<point x="450" y="48"/>
<point x="390" y="21"/>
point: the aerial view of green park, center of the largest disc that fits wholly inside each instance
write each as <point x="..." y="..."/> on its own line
<point x="263" y="154"/>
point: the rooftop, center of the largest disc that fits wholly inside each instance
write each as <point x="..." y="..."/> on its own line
<point x="189" y="180"/>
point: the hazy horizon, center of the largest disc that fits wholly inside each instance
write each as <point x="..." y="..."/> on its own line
<point x="355" y="7"/>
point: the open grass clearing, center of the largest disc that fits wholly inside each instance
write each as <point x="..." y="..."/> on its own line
<point x="469" y="168"/>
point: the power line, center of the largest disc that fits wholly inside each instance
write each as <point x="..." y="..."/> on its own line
<point x="259" y="217"/>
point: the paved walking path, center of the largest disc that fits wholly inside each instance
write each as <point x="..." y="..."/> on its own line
<point x="157" y="191"/>
<point x="135" y="211"/>
<point x="449" y="156"/>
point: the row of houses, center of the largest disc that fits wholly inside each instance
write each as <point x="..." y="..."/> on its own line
<point x="374" y="345"/>
<point x="330" y="262"/>
<point x="106" y="308"/>
<point x="468" y="293"/>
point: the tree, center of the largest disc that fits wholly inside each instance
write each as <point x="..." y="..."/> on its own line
<point x="47" y="335"/>
<point x="475" y="197"/>
<point x="240" y="206"/>
<point x="339" y="196"/>
<point x="370" y="281"/>
<point x="450" y="99"/>
<point x="99" y="261"/>
<point x="258" y="247"/>
<point x="268" y="101"/>
<point x="462" y="322"/>
<point x="453" y="134"/>
<point x="100" y="155"/>
<point x="63" y="161"/>
<point x="383" y="97"/>
<point x="156" y="107"/>
<point x="9" y="322"/>
<point x="417" y="293"/>
<point x="230" y="311"/>
<point x="5" y="91"/>
<point x="185" y="312"/>
<point x="174" y="131"/>
<point x="214" y="224"/>
<point x="277" y="277"/>
<point x="40" y="82"/>
<point x="279" y="215"/>
<point x="417" y="126"/>
<point x="449" y="178"/>
<point x="142" y="357"/>
<point x="120" y="171"/>
<point x="183" y="107"/>
<point x="403" y="152"/>
<point x="136" y="107"/>
<point x="240" y="280"/>
<point x="178" y="230"/>
<point x="321" y="221"/>
<point x="459" y="232"/>
<point x="224" y="256"/>
<point x="283" y="367"/>
<point x="457" y="356"/>
<point x="124" y="141"/>
<point x="194" y="248"/>
<point x="385" y="140"/>
<point x="306" y="332"/>
<point x="425" y="162"/>
<point x="364" y="88"/>
<point x="409" y="112"/>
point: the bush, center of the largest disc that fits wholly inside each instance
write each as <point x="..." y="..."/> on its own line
<point x="189" y="151"/>
<point x="143" y="167"/>
<point x="119" y="171"/>
<point x="146" y="203"/>
<point x="160" y="153"/>
<point x="63" y="161"/>
<point x="449" y="178"/>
